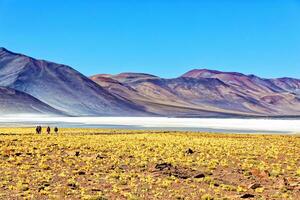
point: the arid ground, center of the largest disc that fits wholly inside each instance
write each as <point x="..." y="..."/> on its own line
<point x="126" y="164"/>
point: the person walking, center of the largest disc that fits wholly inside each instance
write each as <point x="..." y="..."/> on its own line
<point x="48" y="129"/>
<point x="38" y="129"/>
<point x="56" y="130"/>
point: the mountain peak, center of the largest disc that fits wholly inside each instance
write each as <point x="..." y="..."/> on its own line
<point x="133" y="74"/>
<point x="207" y="73"/>
<point x="4" y="51"/>
<point x="201" y="73"/>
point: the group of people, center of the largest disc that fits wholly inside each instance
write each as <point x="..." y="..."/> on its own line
<point x="38" y="130"/>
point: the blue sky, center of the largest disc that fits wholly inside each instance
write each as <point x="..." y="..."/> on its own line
<point x="161" y="37"/>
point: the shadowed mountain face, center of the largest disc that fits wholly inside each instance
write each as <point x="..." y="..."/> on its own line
<point x="60" y="86"/>
<point x="207" y="93"/>
<point x="12" y="101"/>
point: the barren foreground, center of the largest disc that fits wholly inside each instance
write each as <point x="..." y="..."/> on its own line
<point x="111" y="164"/>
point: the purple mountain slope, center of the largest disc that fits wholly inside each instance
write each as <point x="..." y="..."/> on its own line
<point x="207" y="93"/>
<point x="12" y="102"/>
<point x="38" y="86"/>
<point x="61" y="87"/>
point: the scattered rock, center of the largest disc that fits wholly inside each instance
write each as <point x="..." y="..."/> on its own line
<point x="163" y="166"/>
<point x="41" y="188"/>
<point x="81" y="173"/>
<point x="177" y="171"/>
<point x="189" y="151"/>
<point x="245" y="196"/>
<point x="100" y="157"/>
<point x="45" y="184"/>
<point x="181" y="176"/>
<point x="200" y="175"/>
<point x="254" y="186"/>
<point x="25" y="188"/>
<point x="18" y="154"/>
<point x="96" y="190"/>
<point x="113" y="167"/>
<point x="73" y="186"/>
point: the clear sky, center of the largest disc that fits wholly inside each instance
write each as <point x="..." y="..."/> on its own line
<point x="161" y="37"/>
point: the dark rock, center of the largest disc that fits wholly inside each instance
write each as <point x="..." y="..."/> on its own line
<point x="25" y="188"/>
<point x="180" y="175"/>
<point x="254" y="186"/>
<point x="41" y="188"/>
<point x="99" y="157"/>
<point x="77" y="153"/>
<point x="96" y="190"/>
<point x="18" y="154"/>
<point x="46" y="184"/>
<point x="189" y="151"/>
<point x="245" y="196"/>
<point x="163" y="166"/>
<point x="200" y="175"/>
<point x="72" y="186"/>
<point x="81" y="173"/>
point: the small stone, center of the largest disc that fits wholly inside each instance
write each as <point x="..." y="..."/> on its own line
<point x="99" y="156"/>
<point x="72" y="186"/>
<point x="77" y="153"/>
<point x="96" y="190"/>
<point x="41" y="188"/>
<point x="25" y="188"/>
<point x="181" y="176"/>
<point x="163" y="166"/>
<point x="46" y="184"/>
<point x="254" y="186"/>
<point x="81" y="173"/>
<point x="200" y="175"/>
<point x="189" y="151"/>
<point x="245" y="196"/>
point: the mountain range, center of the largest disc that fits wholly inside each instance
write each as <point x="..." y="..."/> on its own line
<point x="29" y="85"/>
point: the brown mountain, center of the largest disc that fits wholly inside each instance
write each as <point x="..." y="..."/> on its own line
<point x="207" y="93"/>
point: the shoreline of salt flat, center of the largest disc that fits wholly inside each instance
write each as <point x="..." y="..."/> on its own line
<point x="222" y="124"/>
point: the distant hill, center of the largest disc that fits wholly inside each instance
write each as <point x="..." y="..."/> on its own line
<point x="61" y="87"/>
<point x="203" y="92"/>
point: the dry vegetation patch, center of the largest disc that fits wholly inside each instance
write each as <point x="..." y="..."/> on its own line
<point x="116" y="164"/>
